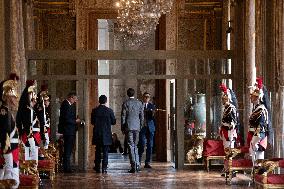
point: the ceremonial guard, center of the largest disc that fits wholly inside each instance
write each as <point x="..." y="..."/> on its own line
<point x="228" y="129"/>
<point x="258" y="123"/>
<point x="9" y="137"/>
<point x="28" y="122"/>
<point x="43" y="115"/>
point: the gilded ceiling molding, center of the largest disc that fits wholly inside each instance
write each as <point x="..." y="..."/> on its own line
<point x="72" y="8"/>
<point x="95" y="4"/>
<point x="188" y="8"/>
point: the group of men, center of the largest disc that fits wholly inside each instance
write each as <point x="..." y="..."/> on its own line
<point x="259" y="122"/>
<point x="26" y="120"/>
<point x="137" y="124"/>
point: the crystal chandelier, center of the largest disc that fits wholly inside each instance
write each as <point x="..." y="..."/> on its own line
<point x="137" y="19"/>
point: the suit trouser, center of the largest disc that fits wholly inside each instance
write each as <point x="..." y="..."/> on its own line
<point x="68" y="148"/>
<point x="10" y="172"/>
<point x="145" y="137"/>
<point x="133" y="136"/>
<point x="125" y="144"/>
<point x="98" y="157"/>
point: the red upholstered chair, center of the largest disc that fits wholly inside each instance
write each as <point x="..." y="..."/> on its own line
<point x="29" y="181"/>
<point x="48" y="164"/>
<point x="7" y="183"/>
<point x="29" y="177"/>
<point x="232" y="163"/>
<point x="267" y="179"/>
<point x="212" y="149"/>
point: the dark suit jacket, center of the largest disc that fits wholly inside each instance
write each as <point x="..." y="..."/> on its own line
<point x="102" y="118"/>
<point x="67" y="119"/>
<point x="149" y="116"/>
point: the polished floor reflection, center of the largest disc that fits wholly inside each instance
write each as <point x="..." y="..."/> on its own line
<point x="161" y="176"/>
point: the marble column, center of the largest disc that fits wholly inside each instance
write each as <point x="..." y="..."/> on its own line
<point x="18" y="61"/>
<point x="225" y="20"/>
<point x="260" y="36"/>
<point x="171" y="44"/>
<point x="29" y="33"/>
<point x="279" y="30"/>
<point x="2" y="39"/>
<point x="249" y="58"/>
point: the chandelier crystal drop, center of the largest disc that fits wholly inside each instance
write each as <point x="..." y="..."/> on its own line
<point x="137" y="19"/>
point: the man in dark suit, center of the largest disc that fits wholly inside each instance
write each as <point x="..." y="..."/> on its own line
<point x="67" y="127"/>
<point x="102" y="118"/>
<point x="147" y="132"/>
<point x="131" y="123"/>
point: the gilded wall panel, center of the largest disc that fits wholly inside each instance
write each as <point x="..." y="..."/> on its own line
<point x="191" y="34"/>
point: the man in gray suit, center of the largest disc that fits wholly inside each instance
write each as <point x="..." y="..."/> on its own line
<point x="131" y="122"/>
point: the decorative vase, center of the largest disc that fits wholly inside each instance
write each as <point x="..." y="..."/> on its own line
<point x="199" y="113"/>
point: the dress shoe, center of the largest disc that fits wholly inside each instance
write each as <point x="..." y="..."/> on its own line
<point x="104" y="170"/>
<point x="147" y="166"/>
<point x="138" y="169"/>
<point x="124" y="154"/>
<point x="96" y="169"/>
<point x="234" y="174"/>
<point x="132" y="170"/>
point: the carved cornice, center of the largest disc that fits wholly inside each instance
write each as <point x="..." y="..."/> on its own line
<point x="55" y="7"/>
<point x="188" y="8"/>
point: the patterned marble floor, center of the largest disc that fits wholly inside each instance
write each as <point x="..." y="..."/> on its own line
<point x="161" y="176"/>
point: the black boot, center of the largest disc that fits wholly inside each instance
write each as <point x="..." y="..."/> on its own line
<point x="132" y="170"/>
<point x="97" y="168"/>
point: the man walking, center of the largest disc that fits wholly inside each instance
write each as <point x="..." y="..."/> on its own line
<point x="131" y="122"/>
<point x="102" y="118"/>
<point x="148" y="130"/>
<point x="67" y="127"/>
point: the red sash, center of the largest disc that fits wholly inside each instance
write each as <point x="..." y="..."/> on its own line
<point x="2" y="160"/>
<point x="15" y="154"/>
<point x="224" y="133"/>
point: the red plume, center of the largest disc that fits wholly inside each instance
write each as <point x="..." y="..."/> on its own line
<point x="259" y="82"/>
<point x="223" y="88"/>
<point x="30" y="83"/>
<point x="14" y="76"/>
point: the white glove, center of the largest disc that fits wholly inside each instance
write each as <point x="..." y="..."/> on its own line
<point x="32" y="143"/>
<point x="46" y="139"/>
<point x="254" y="142"/>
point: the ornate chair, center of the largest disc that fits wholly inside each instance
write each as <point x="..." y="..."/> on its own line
<point x="48" y="164"/>
<point x="53" y="150"/>
<point x="29" y="176"/>
<point x="7" y="183"/>
<point x="235" y="161"/>
<point x="264" y="177"/>
<point x="212" y="149"/>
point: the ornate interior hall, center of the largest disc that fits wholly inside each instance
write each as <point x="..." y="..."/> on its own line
<point x="178" y="51"/>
